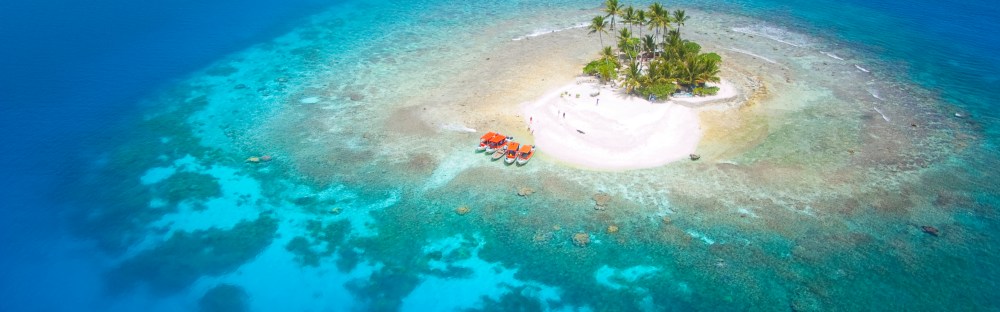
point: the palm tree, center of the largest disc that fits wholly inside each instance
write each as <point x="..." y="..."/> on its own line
<point x="600" y="26"/>
<point x="640" y="20"/>
<point x="628" y="17"/>
<point x="659" y="18"/>
<point x="708" y="68"/>
<point x="649" y="45"/>
<point x="633" y="77"/>
<point x="628" y="44"/>
<point x="673" y="46"/>
<point x="680" y="18"/>
<point x="613" y="8"/>
<point x="611" y="61"/>
<point x="608" y="56"/>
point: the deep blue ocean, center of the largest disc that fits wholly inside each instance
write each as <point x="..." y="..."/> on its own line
<point x="70" y="70"/>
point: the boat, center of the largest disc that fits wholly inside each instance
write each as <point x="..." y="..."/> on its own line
<point x="512" y="150"/>
<point x="497" y="142"/>
<point x="499" y="152"/>
<point x="484" y="140"/>
<point x="524" y="154"/>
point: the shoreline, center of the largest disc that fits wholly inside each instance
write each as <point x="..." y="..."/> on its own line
<point x="598" y="127"/>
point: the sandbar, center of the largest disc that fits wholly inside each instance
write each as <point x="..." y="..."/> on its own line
<point x="596" y="126"/>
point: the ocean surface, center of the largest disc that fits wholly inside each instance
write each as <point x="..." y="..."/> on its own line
<point x="127" y="127"/>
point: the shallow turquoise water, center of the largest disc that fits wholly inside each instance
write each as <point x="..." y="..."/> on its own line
<point x="161" y="208"/>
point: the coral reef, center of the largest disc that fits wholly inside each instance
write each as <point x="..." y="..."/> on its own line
<point x="525" y="191"/>
<point x="601" y="201"/>
<point x="184" y="185"/>
<point x="462" y="210"/>
<point x="224" y="298"/>
<point x="581" y="239"/>
<point x="612" y="229"/>
<point x="322" y="242"/>
<point x="185" y="257"/>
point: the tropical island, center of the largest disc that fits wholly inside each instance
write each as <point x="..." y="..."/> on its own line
<point x="625" y="113"/>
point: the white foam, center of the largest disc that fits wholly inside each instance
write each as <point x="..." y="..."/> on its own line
<point x="702" y="237"/>
<point x="450" y="167"/>
<point x="860" y="68"/>
<point x="831" y="55"/>
<point x="880" y="113"/>
<point x="541" y="32"/>
<point x="310" y="100"/>
<point x="874" y="93"/>
<point x="752" y="54"/>
<point x="456" y="127"/>
<point x="616" y="279"/>
<point x="769" y="32"/>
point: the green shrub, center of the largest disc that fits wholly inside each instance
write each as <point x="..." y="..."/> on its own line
<point x="659" y="90"/>
<point x="602" y="69"/>
<point x="702" y="91"/>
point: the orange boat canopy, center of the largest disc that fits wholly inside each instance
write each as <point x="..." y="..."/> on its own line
<point x="488" y="135"/>
<point x="497" y="139"/>
<point x="525" y="149"/>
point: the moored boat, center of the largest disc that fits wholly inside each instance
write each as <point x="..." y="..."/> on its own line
<point x="512" y="150"/>
<point x="497" y="142"/>
<point x="524" y="154"/>
<point x="484" y="141"/>
<point x="502" y="150"/>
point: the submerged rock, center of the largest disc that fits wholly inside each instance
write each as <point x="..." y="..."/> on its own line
<point x="225" y="297"/>
<point x="525" y="191"/>
<point x="355" y="96"/>
<point x="930" y="230"/>
<point x="581" y="239"/>
<point x="601" y="201"/>
<point x="462" y="210"/>
<point x="612" y="229"/>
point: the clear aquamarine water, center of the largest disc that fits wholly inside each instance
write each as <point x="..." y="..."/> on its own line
<point x="127" y="130"/>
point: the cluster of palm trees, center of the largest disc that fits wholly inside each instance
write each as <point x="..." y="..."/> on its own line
<point x="655" y="64"/>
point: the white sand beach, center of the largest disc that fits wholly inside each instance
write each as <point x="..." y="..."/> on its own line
<point x="605" y="129"/>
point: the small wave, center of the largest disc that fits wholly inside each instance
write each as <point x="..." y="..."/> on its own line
<point x="752" y="54"/>
<point x="860" y="68"/>
<point x="310" y="100"/>
<point x="875" y="94"/>
<point x="459" y="128"/>
<point x="831" y="55"/>
<point x="880" y="113"/>
<point x="769" y="32"/>
<point x="540" y="32"/>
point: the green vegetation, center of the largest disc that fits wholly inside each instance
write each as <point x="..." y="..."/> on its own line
<point x="656" y="65"/>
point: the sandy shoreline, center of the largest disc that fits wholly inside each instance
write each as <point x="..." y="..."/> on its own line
<point x="599" y="127"/>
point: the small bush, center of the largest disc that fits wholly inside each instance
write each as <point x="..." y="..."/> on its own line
<point x="658" y="90"/>
<point x="602" y="69"/>
<point x="703" y="91"/>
